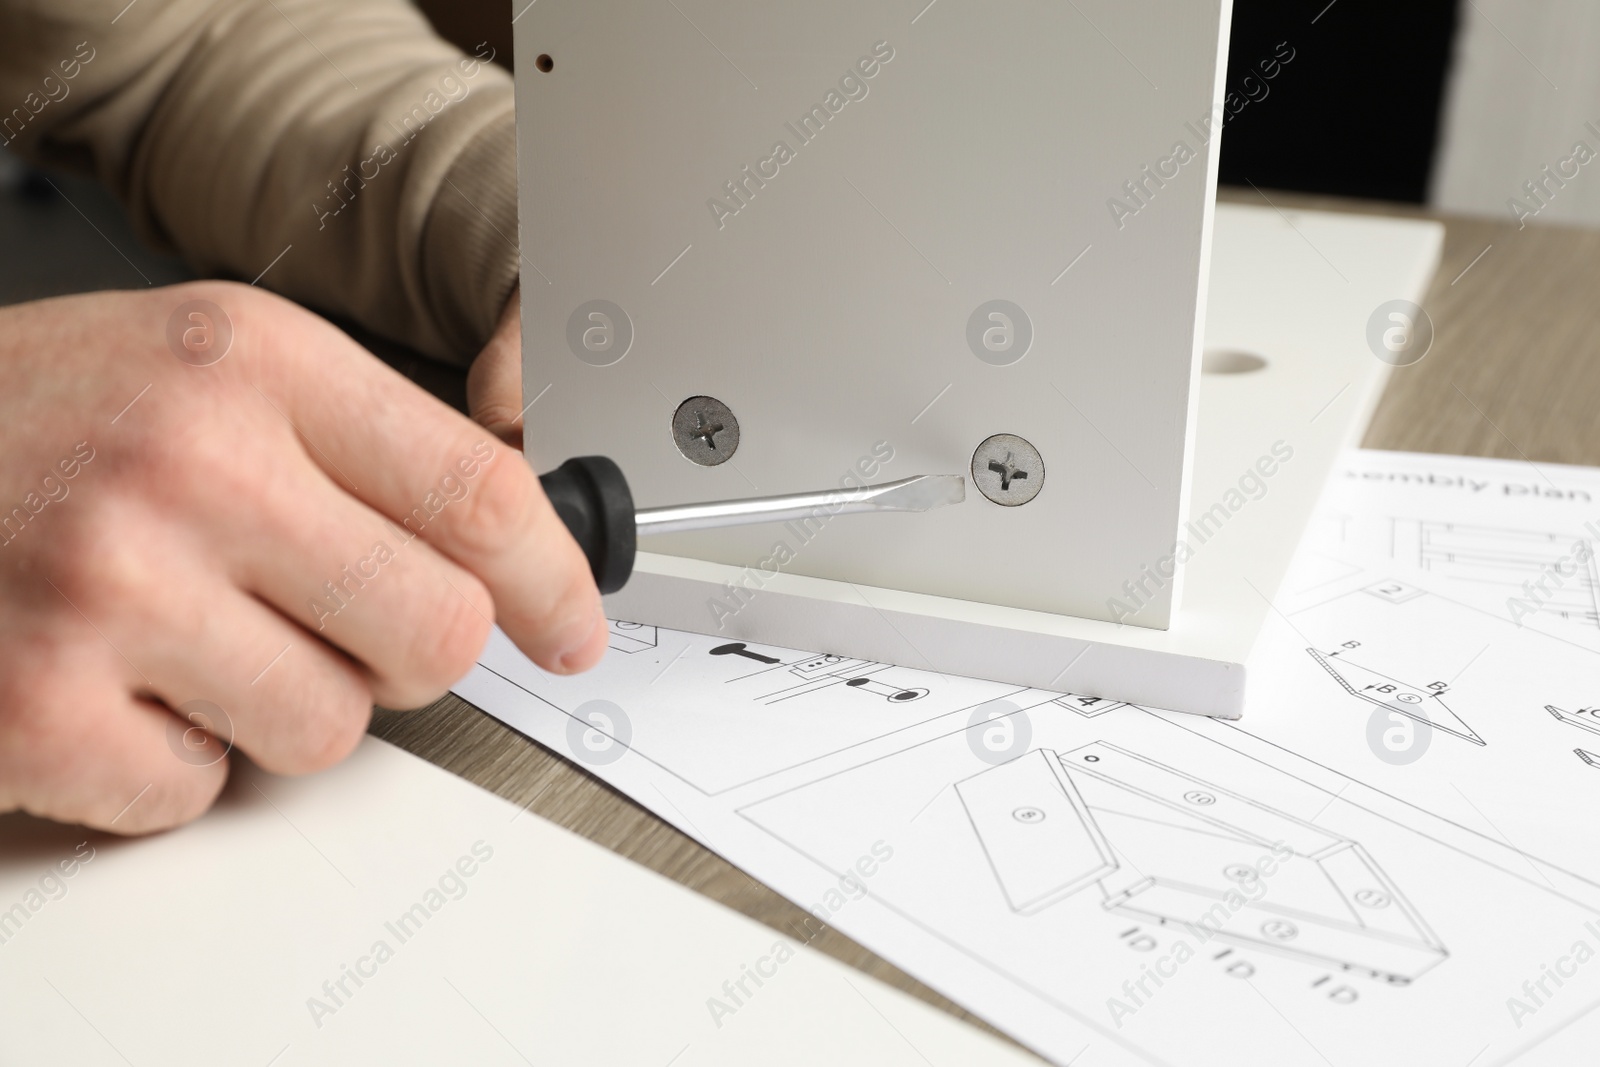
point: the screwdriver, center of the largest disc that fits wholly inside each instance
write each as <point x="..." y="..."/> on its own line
<point x="592" y="497"/>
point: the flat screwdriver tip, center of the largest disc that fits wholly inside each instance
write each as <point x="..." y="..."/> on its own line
<point x="922" y="492"/>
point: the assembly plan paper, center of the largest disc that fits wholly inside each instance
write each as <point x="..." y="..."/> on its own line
<point x="1393" y="858"/>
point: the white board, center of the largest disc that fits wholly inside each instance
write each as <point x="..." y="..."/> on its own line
<point x="1298" y="289"/>
<point x="251" y="937"/>
<point x="808" y="212"/>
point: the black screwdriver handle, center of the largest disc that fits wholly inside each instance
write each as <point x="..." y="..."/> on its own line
<point x="592" y="498"/>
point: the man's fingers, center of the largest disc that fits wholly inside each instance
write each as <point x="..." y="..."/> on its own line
<point x="439" y="476"/>
<point x="233" y="668"/>
<point x="413" y="619"/>
<point x="494" y="382"/>
<point x="97" y="756"/>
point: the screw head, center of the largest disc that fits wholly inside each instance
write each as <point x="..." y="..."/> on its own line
<point x="1008" y="470"/>
<point x="705" y="431"/>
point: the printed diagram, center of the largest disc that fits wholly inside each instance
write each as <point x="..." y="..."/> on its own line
<point x="1089" y="707"/>
<point x="779" y="707"/>
<point x="1541" y="573"/>
<point x="1034" y="825"/>
<point x="1138" y="880"/>
<point x="1587" y="718"/>
<point x="1511" y="557"/>
<point x="821" y="671"/>
<point x="1393" y="591"/>
<point x="1422" y="704"/>
<point x="1164" y="846"/>
<point x="630" y="637"/>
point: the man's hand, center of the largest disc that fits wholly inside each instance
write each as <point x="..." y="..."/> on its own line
<point x="494" y="382"/>
<point x="222" y="522"/>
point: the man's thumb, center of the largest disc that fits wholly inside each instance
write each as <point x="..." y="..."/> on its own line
<point x="494" y="382"/>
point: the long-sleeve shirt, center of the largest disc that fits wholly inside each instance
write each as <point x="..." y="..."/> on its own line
<point x="368" y="167"/>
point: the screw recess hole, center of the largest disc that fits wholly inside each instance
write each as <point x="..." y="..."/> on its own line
<point x="545" y="64"/>
<point x="1230" y="361"/>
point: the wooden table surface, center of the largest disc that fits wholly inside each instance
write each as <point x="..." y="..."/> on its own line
<point x="1512" y="374"/>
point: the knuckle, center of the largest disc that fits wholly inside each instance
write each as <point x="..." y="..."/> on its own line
<point x="267" y="330"/>
<point x="199" y="442"/>
<point x="97" y="563"/>
<point x="239" y="303"/>
<point x="447" y="646"/>
<point x="222" y="293"/>
<point x="493" y="415"/>
<point x="505" y="423"/>
<point x="78" y="768"/>
<point x="172" y="458"/>
<point x="33" y="709"/>
<point x="329" y="734"/>
<point x="246" y="306"/>
<point x="313" y="721"/>
<point x="496" y="512"/>
<point x="180" y="797"/>
<point x="211" y="289"/>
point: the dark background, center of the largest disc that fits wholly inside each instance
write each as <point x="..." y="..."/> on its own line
<point x="1356" y="113"/>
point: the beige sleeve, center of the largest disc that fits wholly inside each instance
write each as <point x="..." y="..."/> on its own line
<point x="339" y="146"/>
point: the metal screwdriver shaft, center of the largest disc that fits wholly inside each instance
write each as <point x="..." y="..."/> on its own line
<point x="922" y="492"/>
<point x="592" y="498"/>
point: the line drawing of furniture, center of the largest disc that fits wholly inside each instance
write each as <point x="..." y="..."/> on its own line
<point x="1175" y="849"/>
<point x="1585" y="718"/>
<point x="1414" y="702"/>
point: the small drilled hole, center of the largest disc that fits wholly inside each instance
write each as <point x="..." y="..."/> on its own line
<point x="545" y="64"/>
<point x="1230" y="361"/>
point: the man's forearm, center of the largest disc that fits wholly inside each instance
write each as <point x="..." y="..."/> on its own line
<point x="364" y="165"/>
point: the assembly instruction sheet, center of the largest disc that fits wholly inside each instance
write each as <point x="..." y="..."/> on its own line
<point x="1393" y="858"/>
